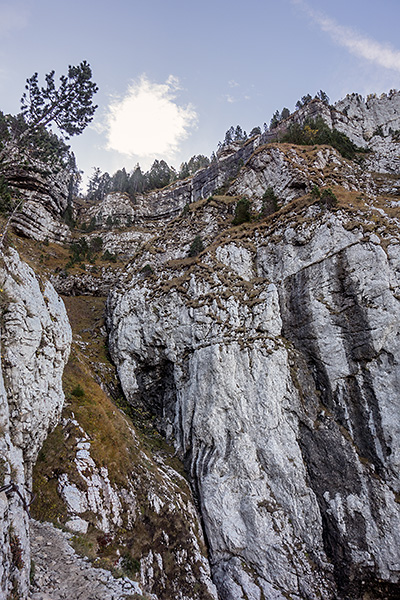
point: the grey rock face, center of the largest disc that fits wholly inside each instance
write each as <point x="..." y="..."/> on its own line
<point x="171" y="556"/>
<point x="293" y="173"/>
<point x="35" y="345"/>
<point x="273" y="365"/>
<point x="375" y="115"/>
<point x="35" y="221"/>
<point x="45" y="195"/>
<point x="93" y="282"/>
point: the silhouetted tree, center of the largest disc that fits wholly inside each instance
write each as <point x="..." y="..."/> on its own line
<point x="69" y="106"/>
<point x="275" y="119"/>
<point x="303" y="101"/>
<point x="255" y="131"/>
<point x="285" y="113"/>
<point x="323" y="96"/>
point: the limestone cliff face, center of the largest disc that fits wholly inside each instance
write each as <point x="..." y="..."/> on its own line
<point x="270" y="361"/>
<point x="34" y="348"/>
<point x="156" y="208"/>
<point x="273" y="364"/>
<point x="45" y="200"/>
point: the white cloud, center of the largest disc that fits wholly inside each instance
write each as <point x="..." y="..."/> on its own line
<point x="230" y="99"/>
<point x="147" y="122"/>
<point x="378" y="53"/>
<point x="12" y="17"/>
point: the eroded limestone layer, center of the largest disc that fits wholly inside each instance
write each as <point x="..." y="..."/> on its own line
<point x="273" y="364"/>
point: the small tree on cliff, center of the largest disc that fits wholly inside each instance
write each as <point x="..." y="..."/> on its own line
<point x="28" y="147"/>
<point x="69" y="106"/>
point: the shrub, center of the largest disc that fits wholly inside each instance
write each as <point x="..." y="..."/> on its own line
<point x="146" y="270"/>
<point x="79" y="251"/>
<point x="92" y="225"/>
<point x="318" y="132"/>
<point x="96" y="244"/>
<point x="242" y="212"/>
<point x="68" y="216"/>
<point x="5" y="196"/>
<point x="328" y="198"/>
<point x="78" y="391"/>
<point x="315" y="192"/>
<point x="108" y="256"/>
<point x="196" y="246"/>
<point x="130" y="565"/>
<point x="269" y="202"/>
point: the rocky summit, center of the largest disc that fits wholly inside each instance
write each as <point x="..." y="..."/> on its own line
<point x="200" y="385"/>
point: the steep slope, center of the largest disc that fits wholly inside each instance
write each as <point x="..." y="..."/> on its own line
<point x="35" y="341"/>
<point x="271" y="363"/>
<point x="118" y="489"/>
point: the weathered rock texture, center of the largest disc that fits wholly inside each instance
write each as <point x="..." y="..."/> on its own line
<point x="372" y="123"/>
<point x="34" y="348"/>
<point x="272" y="364"/>
<point x="270" y="361"/>
<point x="63" y="574"/>
<point x="35" y="221"/>
<point x="45" y="198"/>
<point x="121" y="492"/>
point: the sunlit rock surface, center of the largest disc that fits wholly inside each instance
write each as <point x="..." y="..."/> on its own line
<point x="272" y="363"/>
<point x="35" y="343"/>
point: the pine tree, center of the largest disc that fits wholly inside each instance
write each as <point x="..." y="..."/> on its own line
<point x="69" y="106"/>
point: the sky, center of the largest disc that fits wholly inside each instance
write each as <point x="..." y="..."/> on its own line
<point x="174" y="75"/>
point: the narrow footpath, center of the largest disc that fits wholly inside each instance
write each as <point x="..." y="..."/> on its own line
<point x="60" y="574"/>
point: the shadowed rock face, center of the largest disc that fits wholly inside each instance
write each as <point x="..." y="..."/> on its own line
<point x="276" y="375"/>
<point x="45" y="198"/>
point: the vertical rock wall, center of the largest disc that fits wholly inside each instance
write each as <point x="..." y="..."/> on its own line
<point x="272" y="363"/>
<point x="35" y="341"/>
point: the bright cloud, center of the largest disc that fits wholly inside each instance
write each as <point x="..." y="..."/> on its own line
<point x="383" y="55"/>
<point x="147" y="122"/>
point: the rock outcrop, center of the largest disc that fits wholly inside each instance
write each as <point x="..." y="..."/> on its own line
<point x="372" y="123"/>
<point x="45" y="199"/>
<point x="63" y="574"/>
<point x="271" y="363"/>
<point x="35" y="340"/>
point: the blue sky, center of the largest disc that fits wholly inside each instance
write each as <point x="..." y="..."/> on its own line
<point x="174" y="76"/>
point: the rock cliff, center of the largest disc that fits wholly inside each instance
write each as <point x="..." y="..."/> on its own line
<point x="44" y="196"/>
<point x="35" y="340"/>
<point x="117" y="488"/>
<point x="271" y="363"/>
<point x="372" y="123"/>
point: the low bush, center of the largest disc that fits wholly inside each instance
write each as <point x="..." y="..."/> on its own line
<point x="242" y="212"/>
<point x="316" y="131"/>
<point x="78" y="391"/>
<point x="269" y="202"/>
<point x="328" y="198"/>
<point x="196" y="246"/>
